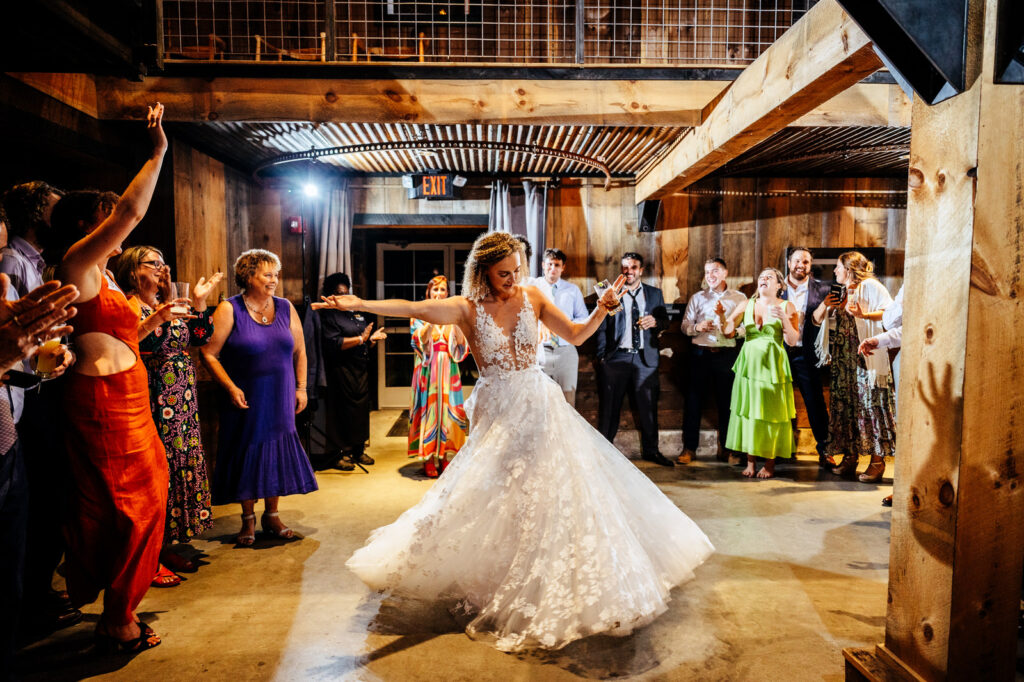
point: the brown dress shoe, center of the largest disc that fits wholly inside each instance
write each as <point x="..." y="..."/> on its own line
<point x="847" y="468"/>
<point x="686" y="457"/>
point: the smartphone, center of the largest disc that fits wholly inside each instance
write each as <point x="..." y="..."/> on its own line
<point x="20" y="379"/>
<point x="838" y="290"/>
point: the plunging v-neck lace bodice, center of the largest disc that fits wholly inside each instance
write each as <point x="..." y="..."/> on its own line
<point x="498" y="352"/>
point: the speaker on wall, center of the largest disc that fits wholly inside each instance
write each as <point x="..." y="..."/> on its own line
<point x="647" y="213"/>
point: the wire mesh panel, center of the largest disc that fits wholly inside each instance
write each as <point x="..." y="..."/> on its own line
<point x="244" y="29"/>
<point x="614" y="32"/>
<point x="724" y="32"/>
<point x="517" y="31"/>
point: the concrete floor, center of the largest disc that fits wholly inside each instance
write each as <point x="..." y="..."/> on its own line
<point x="800" y="573"/>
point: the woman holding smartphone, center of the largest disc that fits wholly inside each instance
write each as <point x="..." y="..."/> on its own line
<point x="861" y="399"/>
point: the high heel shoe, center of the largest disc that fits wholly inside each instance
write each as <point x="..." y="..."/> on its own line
<point x="873" y="474"/>
<point x="247" y="540"/>
<point x="285" y="532"/>
<point x="847" y="468"/>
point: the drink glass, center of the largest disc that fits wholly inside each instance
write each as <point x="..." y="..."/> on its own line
<point x="46" y="358"/>
<point x="179" y="290"/>
<point x="600" y="288"/>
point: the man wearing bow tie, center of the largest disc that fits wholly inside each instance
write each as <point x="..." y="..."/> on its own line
<point x="627" y="355"/>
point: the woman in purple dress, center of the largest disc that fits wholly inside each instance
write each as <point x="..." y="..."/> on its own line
<point x="255" y="354"/>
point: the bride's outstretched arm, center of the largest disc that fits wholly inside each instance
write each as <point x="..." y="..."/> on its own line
<point x="452" y="310"/>
<point x="578" y="332"/>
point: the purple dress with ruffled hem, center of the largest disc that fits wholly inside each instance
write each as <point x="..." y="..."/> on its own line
<point x="259" y="453"/>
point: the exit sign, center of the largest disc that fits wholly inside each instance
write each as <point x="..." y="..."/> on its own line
<point x="433" y="186"/>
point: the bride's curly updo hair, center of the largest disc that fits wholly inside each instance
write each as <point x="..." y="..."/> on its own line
<point x="487" y="250"/>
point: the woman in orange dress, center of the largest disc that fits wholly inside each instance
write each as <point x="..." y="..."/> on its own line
<point x="437" y="418"/>
<point x="116" y="527"/>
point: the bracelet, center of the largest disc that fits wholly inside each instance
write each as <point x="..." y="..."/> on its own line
<point x="300" y="388"/>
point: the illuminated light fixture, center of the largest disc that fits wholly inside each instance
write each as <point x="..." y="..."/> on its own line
<point x="311" y="190"/>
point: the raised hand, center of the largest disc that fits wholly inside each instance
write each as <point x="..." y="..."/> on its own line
<point x="203" y="288"/>
<point x="777" y="312"/>
<point x="854" y="309"/>
<point x="155" y="128"/>
<point x="832" y="301"/>
<point x="378" y="335"/>
<point x="610" y="299"/>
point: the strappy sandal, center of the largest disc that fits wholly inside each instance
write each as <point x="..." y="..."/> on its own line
<point x="247" y="540"/>
<point x="285" y="532"/>
<point x="165" y="577"/>
<point x="147" y="639"/>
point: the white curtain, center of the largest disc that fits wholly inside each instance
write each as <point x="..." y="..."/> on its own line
<point x="334" y="220"/>
<point x="535" y="211"/>
<point x="500" y="219"/>
<point x="523" y="214"/>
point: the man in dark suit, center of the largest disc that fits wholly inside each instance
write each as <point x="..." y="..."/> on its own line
<point x="807" y="293"/>
<point x="627" y="354"/>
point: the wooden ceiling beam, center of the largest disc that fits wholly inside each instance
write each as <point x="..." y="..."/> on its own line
<point x="658" y="103"/>
<point x="528" y="102"/>
<point x="819" y="57"/>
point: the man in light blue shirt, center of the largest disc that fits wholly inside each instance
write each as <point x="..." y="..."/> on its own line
<point x="561" y="361"/>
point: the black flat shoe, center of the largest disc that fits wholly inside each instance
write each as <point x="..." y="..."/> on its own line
<point x="659" y="458"/>
<point x="363" y="458"/>
<point x="147" y="639"/>
<point x="343" y="465"/>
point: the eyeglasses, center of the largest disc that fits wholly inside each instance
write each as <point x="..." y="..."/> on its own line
<point x="155" y="264"/>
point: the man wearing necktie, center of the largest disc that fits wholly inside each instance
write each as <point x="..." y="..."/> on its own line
<point x="627" y="356"/>
<point x="561" y="361"/>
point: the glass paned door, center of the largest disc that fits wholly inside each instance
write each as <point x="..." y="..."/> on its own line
<point x="404" y="273"/>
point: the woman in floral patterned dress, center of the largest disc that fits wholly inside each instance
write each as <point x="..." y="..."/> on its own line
<point x="861" y="410"/>
<point x="164" y="340"/>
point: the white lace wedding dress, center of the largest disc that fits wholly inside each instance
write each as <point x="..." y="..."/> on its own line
<point x="540" y="530"/>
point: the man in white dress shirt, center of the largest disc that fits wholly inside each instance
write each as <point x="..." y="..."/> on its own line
<point x="561" y="361"/>
<point x="712" y="355"/>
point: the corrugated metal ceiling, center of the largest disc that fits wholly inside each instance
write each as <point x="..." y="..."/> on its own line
<point x="835" y="151"/>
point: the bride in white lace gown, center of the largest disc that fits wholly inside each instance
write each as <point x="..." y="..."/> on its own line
<point x="540" y="530"/>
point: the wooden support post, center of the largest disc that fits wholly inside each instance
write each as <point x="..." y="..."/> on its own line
<point x="957" y="549"/>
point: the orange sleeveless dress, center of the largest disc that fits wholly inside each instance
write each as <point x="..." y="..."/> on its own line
<point x="115" y="531"/>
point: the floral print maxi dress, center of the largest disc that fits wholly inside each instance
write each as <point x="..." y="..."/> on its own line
<point x="172" y="393"/>
<point x="860" y="412"/>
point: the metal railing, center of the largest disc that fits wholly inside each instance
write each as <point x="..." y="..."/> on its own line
<point x="503" y="32"/>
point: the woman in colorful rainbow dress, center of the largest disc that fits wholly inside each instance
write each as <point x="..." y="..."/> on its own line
<point x="437" y="418"/>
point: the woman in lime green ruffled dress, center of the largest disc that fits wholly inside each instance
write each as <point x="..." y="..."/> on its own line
<point x="762" y="407"/>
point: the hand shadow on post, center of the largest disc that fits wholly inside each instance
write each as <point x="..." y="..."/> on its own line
<point x="932" y="492"/>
